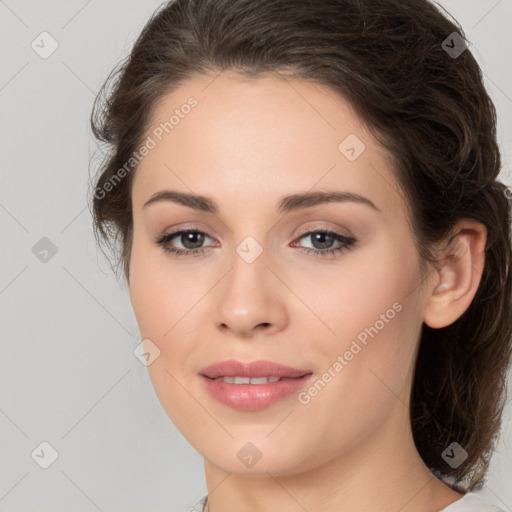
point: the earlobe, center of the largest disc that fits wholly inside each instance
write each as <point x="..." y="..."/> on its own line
<point x="458" y="275"/>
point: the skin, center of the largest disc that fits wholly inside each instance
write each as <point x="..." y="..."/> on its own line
<point x="246" y="144"/>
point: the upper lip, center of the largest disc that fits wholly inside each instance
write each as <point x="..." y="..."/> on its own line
<point x="260" y="368"/>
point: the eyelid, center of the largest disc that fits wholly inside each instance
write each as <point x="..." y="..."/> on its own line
<point x="322" y="224"/>
<point x="319" y="225"/>
<point x="211" y="233"/>
<point x="174" y="233"/>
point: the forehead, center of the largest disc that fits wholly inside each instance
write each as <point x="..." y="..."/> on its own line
<point x="250" y="141"/>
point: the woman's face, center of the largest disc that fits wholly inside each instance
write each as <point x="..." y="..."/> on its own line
<point x="348" y="316"/>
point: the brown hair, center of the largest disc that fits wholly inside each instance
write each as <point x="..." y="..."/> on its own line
<point x="427" y="106"/>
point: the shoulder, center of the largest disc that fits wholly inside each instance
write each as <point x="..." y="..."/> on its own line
<point x="472" y="502"/>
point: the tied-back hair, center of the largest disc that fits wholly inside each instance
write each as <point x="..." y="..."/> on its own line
<point x="428" y="108"/>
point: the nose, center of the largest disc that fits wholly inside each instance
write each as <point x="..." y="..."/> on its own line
<point x="251" y="300"/>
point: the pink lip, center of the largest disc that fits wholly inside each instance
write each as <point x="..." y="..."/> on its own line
<point x="260" y="368"/>
<point x="253" y="397"/>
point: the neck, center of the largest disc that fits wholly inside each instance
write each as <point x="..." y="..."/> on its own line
<point x="380" y="473"/>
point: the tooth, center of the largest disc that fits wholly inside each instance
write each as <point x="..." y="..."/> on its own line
<point x="259" y="380"/>
<point x="248" y="380"/>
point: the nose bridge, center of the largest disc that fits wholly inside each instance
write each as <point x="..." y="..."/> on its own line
<point x="248" y="268"/>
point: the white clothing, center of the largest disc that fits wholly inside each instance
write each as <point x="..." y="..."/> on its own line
<point x="472" y="502"/>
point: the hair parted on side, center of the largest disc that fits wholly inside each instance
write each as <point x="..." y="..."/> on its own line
<point x="429" y="109"/>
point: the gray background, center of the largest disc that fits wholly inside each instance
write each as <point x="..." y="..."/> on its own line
<point x="67" y="373"/>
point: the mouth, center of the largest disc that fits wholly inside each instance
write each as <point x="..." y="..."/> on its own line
<point x="253" y="386"/>
<point x="252" y="380"/>
<point x="240" y="370"/>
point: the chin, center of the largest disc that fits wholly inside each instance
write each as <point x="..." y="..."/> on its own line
<point x="258" y="459"/>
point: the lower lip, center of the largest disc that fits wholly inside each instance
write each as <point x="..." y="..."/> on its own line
<point x="253" y="397"/>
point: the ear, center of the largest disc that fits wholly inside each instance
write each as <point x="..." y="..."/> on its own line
<point x="456" y="278"/>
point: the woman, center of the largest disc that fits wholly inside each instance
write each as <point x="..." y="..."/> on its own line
<point x="317" y="248"/>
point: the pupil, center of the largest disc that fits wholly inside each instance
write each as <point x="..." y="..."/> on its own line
<point x="189" y="237"/>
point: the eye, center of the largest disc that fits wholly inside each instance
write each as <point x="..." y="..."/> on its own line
<point x="321" y="238"/>
<point x="191" y="239"/>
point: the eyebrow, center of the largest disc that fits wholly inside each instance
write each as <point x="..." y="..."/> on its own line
<point x="286" y="204"/>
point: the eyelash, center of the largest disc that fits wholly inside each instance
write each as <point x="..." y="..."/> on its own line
<point x="347" y="242"/>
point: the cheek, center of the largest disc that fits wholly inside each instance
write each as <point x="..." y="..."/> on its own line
<point x="364" y="368"/>
<point x="163" y="299"/>
<point x="373" y="289"/>
<point x="168" y="302"/>
<point x="370" y="321"/>
<point x="157" y="291"/>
